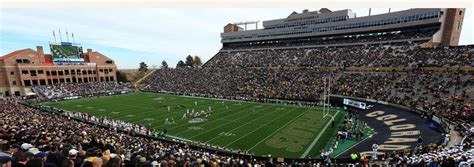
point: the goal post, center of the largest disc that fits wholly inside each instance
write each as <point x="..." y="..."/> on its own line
<point x="326" y="98"/>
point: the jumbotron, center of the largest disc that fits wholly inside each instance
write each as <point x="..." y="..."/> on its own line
<point x="317" y="88"/>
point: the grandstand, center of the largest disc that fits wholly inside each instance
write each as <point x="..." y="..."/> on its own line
<point x="401" y="93"/>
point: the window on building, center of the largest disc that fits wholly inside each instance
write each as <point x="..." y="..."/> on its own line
<point x="54" y="73"/>
<point x="61" y="73"/>
<point x="48" y="73"/>
<point x="24" y="72"/>
<point x="460" y="12"/>
<point x="13" y="82"/>
<point x="40" y="72"/>
<point x="33" y="73"/>
<point x="22" y="61"/>
<point x="12" y="73"/>
<point x="66" y="72"/>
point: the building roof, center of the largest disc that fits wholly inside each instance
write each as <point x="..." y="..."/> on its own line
<point x="98" y="53"/>
<point x="16" y="53"/>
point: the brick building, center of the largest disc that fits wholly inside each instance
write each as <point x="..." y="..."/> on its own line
<point x="24" y="68"/>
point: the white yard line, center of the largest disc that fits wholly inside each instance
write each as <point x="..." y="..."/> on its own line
<point x="248" y="123"/>
<point x="179" y="138"/>
<point x="217" y="127"/>
<point x="276" y="131"/>
<point x="223" y="112"/>
<point x="264" y="125"/>
<point x="317" y="138"/>
<point x="353" y="146"/>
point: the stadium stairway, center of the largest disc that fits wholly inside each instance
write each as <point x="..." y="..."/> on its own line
<point x="144" y="77"/>
<point x="455" y="138"/>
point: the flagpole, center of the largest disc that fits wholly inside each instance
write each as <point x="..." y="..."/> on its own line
<point x="73" y="40"/>
<point x="60" y="36"/>
<point x="67" y="36"/>
<point x="54" y="35"/>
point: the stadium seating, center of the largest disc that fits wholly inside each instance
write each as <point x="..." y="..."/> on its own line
<point x="258" y="72"/>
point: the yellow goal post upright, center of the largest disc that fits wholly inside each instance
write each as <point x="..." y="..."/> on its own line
<point x="326" y="98"/>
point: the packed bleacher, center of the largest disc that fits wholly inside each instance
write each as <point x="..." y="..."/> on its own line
<point x="61" y="90"/>
<point x="263" y="73"/>
<point x="434" y="92"/>
<point x="348" y="56"/>
<point x="32" y="137"/>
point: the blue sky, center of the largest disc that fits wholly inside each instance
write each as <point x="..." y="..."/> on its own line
<point x="133" y="35"/>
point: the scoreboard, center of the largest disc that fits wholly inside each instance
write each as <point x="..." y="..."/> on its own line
<point x="66" y="52"/>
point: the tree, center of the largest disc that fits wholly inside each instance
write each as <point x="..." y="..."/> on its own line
<point x="164" y="64"/>
<point x="197" y="61"/>
<point x="180" y="64"/>
<point x="143" y="67"/>
<point x="189" y="61"/>
<point x="121" y="77"/>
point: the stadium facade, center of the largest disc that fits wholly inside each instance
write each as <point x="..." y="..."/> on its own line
<point x="439" y="26"/>
<point x="24" y="68"/>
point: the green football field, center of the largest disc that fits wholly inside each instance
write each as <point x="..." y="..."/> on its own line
<point x="259" y="128"/>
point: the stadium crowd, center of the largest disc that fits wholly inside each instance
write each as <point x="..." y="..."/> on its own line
<point x="81" y="89"/>
<point x="433" y="92"/>
<point x="348" y="56"/>
<point x="31" y="137"/>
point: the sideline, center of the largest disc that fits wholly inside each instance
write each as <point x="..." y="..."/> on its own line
<point x="317" y="138"/>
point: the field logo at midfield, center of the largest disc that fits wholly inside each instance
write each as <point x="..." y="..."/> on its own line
<point x="115" y="112"/>
<point x="197" y="120"/>
<point x="297" y="135"/>
<point x="195" y="128"/>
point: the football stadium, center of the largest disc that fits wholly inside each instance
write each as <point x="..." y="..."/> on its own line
<point x="315" y="88"/>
